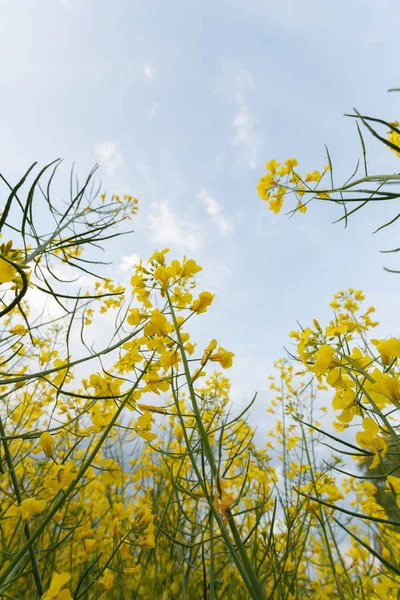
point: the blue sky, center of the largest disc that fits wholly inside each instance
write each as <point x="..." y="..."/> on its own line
<point x="182" y="103"/>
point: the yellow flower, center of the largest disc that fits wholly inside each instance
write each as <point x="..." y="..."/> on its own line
<point x="345" y="400"/>
<point x="155" y="383"/>
<point x="163" y="275"/>
<point x="314" y="176"/>
<point x="388" y="349"/>
<point x="370" y="439"/>
<point x="264" y="186"/>
<point x="46" y="442"/>
<point x="339" y="426"/>
<point x="57" y="582"/>
<point x="150" y="407"/>
<point x="296" y="178"/>
<point x="135" y="317"/>
<point x="111" y="472"/>
<point x="7" y="271"/>
<point x="271" y="166"/>
<point x="116" y="527"/>
<point x="128" y="571"/>
<point x="181" y="298"/>
<point x="157" y="325"/>
<point x="276" y="203"/>
<point x="301" y="207"/>
<point x="60" y="477"/>
<point x="169" y="359"/>
<point x="107" y="580"/>
<point x="291" y="163"/>
<point x="104" y="386"/>
<point x="370" y="425"/>
<point x="159" y="256"/>
<point x="323" y="359"/>
<point x="18" y="330"/>
<point x="143" y="427"/>
<point x="393" y="482"/>
<point x="88" y="544"/>
<point x="207" y="352"/>
<point x="202" y="303"/>
<point x="394" y="137"/>
<point x="30" y="507"/>
<point x="224" y="357"/>
<point x="224" y="499"/>
<point x="386" y="387"/>
<point x="142" y="516"/>
<point x="148" y="539"/>
<point x="292" y="441"/>
<point x="189" y="268"/>
<point x="142" y="525"/>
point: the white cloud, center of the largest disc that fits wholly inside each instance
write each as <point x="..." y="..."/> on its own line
<point x="234" y="81"/>
<point x="129" y="261"/>
<point x="148" y="72"/>
<point x="170" y="230"/>
<point x="110" y="157"/>
<point x="214" y="209"/>
<point x="235" y="84"/>
<point x="246" y="136"/>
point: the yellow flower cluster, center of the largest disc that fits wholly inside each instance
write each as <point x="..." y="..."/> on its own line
<point x="394" y="137"/>
<point x="282" y="179"/>
<point x="137" y="481"/>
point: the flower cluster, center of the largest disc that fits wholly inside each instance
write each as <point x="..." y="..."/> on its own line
<point x="282" y="179"/>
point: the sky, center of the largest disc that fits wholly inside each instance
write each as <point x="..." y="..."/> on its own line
<point x="182" y="104"/>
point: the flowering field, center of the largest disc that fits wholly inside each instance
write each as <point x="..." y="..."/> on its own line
<point x="126" y="472"/>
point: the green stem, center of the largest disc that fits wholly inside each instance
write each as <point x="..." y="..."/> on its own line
<point x="217" y="516"/>
<point x="63" y="495"/>
<point x="18" y="495"/>
<point x="255" y="587"/>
